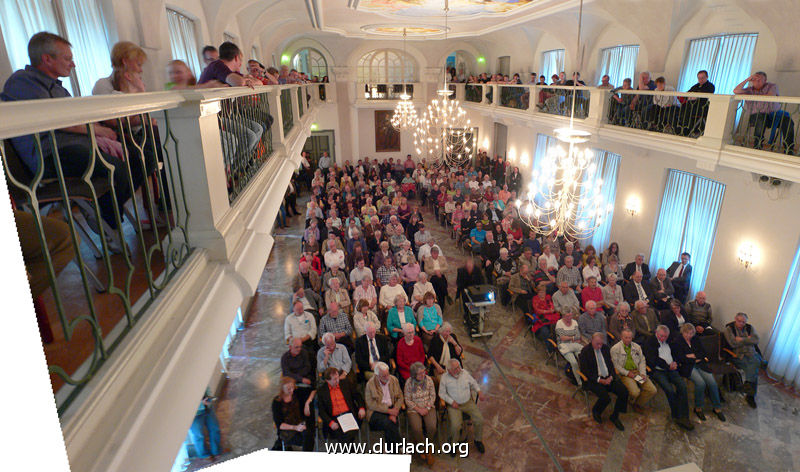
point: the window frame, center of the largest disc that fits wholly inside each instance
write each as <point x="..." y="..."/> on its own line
<point x="366" y="67"/>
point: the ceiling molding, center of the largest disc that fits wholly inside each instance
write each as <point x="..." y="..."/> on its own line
<point x="313" y="13"/>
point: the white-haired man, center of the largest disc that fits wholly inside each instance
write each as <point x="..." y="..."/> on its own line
<point x="384" y="400"/>
<point x="459" y="391"/>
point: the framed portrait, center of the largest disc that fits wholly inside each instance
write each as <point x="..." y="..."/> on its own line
<point x="387" y="139"/>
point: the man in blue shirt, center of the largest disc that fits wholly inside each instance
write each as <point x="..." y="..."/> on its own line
<point x="477" y="236"/>
<point x="51" y="58"/>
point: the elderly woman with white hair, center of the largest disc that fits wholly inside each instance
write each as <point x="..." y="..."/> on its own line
<point x="429" y="316"/>
<point x="421" y="288"/>
<point x="444" y="346"/>
<point x="398" y="316"/>
<point x="420" y="397"/>
<point x="337" y="294"/>
<point x="409" y="350"/>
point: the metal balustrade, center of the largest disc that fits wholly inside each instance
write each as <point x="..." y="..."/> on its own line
<point x="300" y="97"/>
<point x="387" y="91"/>
<point x="558" y="100"/>
<point x="676" y="113"/>
<point x="766" y="123"/>
<point x="473" y="93"/>
<point x="514" y="97"/>
<point x="286" y="110"/>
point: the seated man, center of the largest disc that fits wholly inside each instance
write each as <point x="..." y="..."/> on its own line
<point x="333" y="354"/>
<point x="308" y="278"/>
<point x="699" y="313"/>
<point x="337" y="324"/>
<point x="664" y="370"/>
<point x="384" y="399"/>
<point x="766" y="114"/>
<point x="490" y="254"/>
<point x="743" y="339"/>
<point x="521" y="284"/>
<point x="338" y="295"/>
<point x="680" y="274"/>
<point x="619" y="112"/>
<point x="334" y="257"/>
<point x="385" y="272"/>
<point x="596" y="365"/>
<point x="298" y="364"/>
<point x="592" y="292"/>
<point x="359" y="272"/>
<point x="631" y="366"/>
<point x="333" y="273"/>
<point x="564" y="299"/>
<point x="620" y="321"/>
<point x="569" y="273"/>
<point x="300" y="325"/>
<point x="592" y="321"/>
<point x="504" y="268"/>
<point x="422" y="236"/>
<point x="662" y="290"/>
<point x="459" y="391"/>
<point x="337" y="397"/>
<point x="637" y="289"/>
<point x="644" y="320"/>
<point x="371" y="348"/>
<point x="477" y="236"/>
<point x="544" y="275"/>
<point x="637" y="265"/>
<point x="436" y="266"/>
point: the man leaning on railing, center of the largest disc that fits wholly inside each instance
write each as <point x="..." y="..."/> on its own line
<point x="767" y="113"/>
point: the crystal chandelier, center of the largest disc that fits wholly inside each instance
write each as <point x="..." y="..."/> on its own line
<point x="405" y="114"/>
<point x="565" y="196"/>
<point x="443" y="134"/>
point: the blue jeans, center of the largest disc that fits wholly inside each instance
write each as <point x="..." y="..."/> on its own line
<point x="207" y="420"/>
<point x="703" y="380"/>
<point x="675" y="388"/>
<point x="750" y="365"/>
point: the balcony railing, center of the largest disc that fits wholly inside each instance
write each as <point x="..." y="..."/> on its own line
<point x="473" y="93"/>
<point x="105" y="191"/>
<point x="515" y="97"/>
<point x="388" y="91"/>
<point x="558" y="101"/>
<point x="300" y="96"/>
<point x="677" y="113"/>
<point x="766" y="123"/>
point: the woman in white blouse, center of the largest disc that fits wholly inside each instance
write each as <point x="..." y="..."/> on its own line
<point x="591" y="269"/>
<point x="362" y="316"/>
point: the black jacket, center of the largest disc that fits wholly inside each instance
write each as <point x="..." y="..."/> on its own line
<point x="435" y="349"/>
<point x="650" y="351"/>
<point x="629" y="270"/>
<point x="465" y="279"/>
<point x="362" y="351"/>
<point x="680" y="348"/>
<point x="588" y="363"/>
<point x="351" y="397"/>
<point x="630" y="293"/>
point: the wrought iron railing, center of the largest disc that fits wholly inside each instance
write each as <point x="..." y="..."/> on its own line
<point x="558" y="101"/>
<point x="286" y="110"/>
<point x="515" y="97"/>
<point x="767" y="123"/>
<point x="387" y="91"/>
<point x="676" y="113"/>
<point x="245" y="126"/>
<point x="103" y="213"/>
<point x="473" y="93"/>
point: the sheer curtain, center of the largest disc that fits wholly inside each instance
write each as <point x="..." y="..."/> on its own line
<point x="783" y="350"/>
<point x="21" y="19"/>
<point x="727" y="58"/>
<point x="618" y="63"/>
<point x="183" y="41"/>
<point x="607" y="170"/>
<point x="87" y="33"/>
<point x="543" y="144"/>
<point x="552" y="63"/>
<point x="687" y="222"/>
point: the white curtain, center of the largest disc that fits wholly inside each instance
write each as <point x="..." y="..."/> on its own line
<point x="727" y="58"/>
<point x="783" y="350"/>
<point x="183" y="41"/>
<point x="21" y="19"/>
<point x="552" y="63"/>
<point x="607" y="170"/>
<point x="618" y="63"/>
<point x="87" y="33"/>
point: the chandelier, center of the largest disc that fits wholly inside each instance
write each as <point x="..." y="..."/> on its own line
<point x="405" y="114"/>
<point x="443" y="134"/>
<point x="565" y="195"/>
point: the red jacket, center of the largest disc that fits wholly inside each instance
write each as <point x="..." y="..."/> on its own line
<point x="589" y="294"/>
<point x="407" y="355"/>
<point x="544" y="312"/>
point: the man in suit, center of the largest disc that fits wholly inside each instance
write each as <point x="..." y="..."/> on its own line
<point x="680" y="273"/>
<point x="336" y="397"/>
<point x="371" y="348"/>
<point x="664" y="370"/>
<point x="644" y="320"/>
<point x="637" y="265"/>
<point x="663" y="290"/>
<point x="601" y="379"/>
<point x="637" y="289"/>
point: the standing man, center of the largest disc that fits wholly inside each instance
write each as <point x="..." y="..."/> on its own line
<point x="325" y="162"/>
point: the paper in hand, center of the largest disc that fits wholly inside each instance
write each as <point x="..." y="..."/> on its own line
<point x="347" y="422"/>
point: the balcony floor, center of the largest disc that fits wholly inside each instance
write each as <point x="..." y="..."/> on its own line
<point x="766" y="439"/>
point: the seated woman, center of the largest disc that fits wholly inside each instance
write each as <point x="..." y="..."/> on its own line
<point x="590" y="269"/>
<point x="362" y="316"/>
<point x="399" y="315"/>
<point x="568" y="337"/>
<point x="544" y="313"/>
<point x="444" y="346"/>
<point x="365" y="291"/>
<point x="313" y="261"/>
<point x="409" y="350"/>
<point x="420" y="289"/>
<point x="420" y="398"/>
<point x="411" y="270"/>
<point x="294" y="420"/>
<point x="613" y="267"/>
<point x="693" y="365"/>
<point x="429" y="316"/>
<point x="587" y="252"/>
<point x="337" y="294"/>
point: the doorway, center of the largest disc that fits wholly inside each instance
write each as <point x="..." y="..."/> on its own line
<point x="503" y="65"/>
<point x="319" y="142"/>
<point x="500" y="139"/>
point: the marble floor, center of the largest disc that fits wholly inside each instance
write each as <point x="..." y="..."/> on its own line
<point x="533" y="420"/>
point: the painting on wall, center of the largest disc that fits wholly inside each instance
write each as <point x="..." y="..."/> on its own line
<point x="387" y="139"/>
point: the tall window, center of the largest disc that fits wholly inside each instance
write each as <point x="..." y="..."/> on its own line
<point x="607" y="171"/>
<point x="552" y="63"/>
<point x="183" y="40"/>
<point x="726" y="57"/>
<point x="619" y="63"/>
<point x="79" y="21"/>
<point x="783" y="350"/>
<point x="310" y="61"/>
<point x="687" y="222"/>
<point x="386" y="65"/>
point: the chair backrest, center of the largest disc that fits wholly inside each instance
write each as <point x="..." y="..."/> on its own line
<point x="16" y="168"/>
<point x="711" y="345"/>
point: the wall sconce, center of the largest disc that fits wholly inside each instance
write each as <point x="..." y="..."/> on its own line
<point x="633" y="205"/>
<point x="747" y="255"/>
<point x="524" y="159"/>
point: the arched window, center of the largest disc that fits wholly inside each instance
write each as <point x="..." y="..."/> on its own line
<point x="311" y="62"/>
<point x="387" y="66"/>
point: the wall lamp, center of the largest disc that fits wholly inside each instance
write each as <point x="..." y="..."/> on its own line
<point x="633" y="205"/>
<point x="747" y="254"/>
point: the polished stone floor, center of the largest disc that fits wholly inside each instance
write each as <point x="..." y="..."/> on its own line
<point x="530" y="409"/>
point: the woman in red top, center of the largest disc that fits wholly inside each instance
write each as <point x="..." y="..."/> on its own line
<point x="409" y="351"/>
<point x="543" y="313"/>
<point x="313" y="262"/>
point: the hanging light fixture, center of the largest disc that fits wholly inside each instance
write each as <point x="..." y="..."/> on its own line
<point x="564" y="196"/>
<point x="405" y="114"/>
<point x="443" y="134"/>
